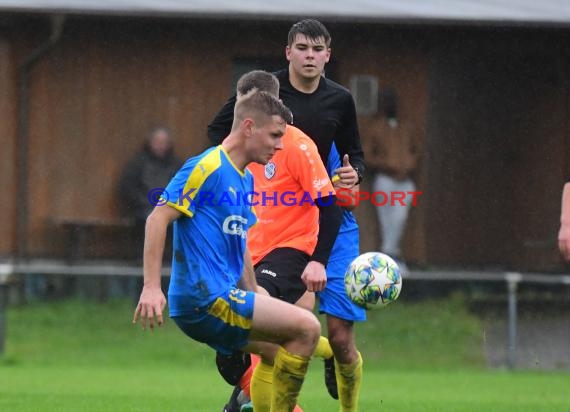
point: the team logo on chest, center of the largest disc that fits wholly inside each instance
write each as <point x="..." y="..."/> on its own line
<point x="270" y="170"/>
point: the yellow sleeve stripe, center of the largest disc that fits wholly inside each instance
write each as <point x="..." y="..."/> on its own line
<point x="176" y="206"/>
<point x="203" y="169"/>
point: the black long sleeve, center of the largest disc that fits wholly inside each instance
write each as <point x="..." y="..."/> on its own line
<point x="330" y="219"/>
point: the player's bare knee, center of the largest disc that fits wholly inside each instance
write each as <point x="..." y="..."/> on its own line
<point x="315" y="329"/>
<point x="343" y="345"/>
<point x="308" y="327"/>
<point x="340" y="339"/>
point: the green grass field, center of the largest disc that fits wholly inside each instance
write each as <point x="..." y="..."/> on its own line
<point x="82" y="356"/>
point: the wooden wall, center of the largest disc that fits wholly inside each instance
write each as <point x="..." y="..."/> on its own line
<point x="8" y="118"/>
<point x="498" y="149"/>
<point x="95" y="96"/>
<point x="495" y="149"/>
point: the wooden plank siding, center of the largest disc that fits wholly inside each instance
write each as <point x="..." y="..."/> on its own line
<point x="498" y="133"/>
<point x="496" y="153"/>
<point x="95" y="97"/>
<point x="8" y="116"/>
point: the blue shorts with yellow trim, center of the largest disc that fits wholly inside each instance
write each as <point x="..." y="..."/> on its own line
<point x="333" y="299"/>
<point x="223" y="325"/>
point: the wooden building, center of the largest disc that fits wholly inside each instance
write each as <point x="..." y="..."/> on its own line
<point x="487" y="88"/>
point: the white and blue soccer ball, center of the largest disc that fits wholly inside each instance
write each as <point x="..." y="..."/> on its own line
<point x="373" y="280"/>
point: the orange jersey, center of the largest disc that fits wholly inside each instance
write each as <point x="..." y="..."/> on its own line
<point x="286" y="188"/>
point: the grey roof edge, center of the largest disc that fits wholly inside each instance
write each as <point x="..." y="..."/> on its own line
<point x="403" y="20"/>
<point x="435" y="12"/>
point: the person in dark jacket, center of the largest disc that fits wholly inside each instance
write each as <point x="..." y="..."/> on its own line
<point x="151" y="168"/>
<point x="142" y="181"/>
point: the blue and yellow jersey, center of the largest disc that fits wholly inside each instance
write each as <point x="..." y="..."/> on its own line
<point x="214" y="197"/>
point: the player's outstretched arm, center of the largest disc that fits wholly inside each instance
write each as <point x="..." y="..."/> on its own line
<point x="564" y="233"/>
<point x="152" y="300"/>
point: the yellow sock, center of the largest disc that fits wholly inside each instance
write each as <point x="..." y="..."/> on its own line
<point x="288" y="375"/>
<point x="323" y="349"/>
<point x="349" y="377"/>
<point x="261" y="387"/>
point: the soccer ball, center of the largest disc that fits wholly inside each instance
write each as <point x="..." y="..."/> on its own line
<point x="373" y="280"/>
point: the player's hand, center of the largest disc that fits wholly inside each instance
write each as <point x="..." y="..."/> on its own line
<point x="348" y="177"/>
<point x="564" y="241"/>
<point x="314" y="276"/>
<point x="150" y="306"/>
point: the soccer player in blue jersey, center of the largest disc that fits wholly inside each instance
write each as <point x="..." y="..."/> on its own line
<point x="210" y="256"/>
<point x="334" y="302"/>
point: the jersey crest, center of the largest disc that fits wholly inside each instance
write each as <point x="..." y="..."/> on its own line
<point x="270" y="170"/>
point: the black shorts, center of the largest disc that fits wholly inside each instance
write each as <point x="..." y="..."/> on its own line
<point x="279" y="272"/>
